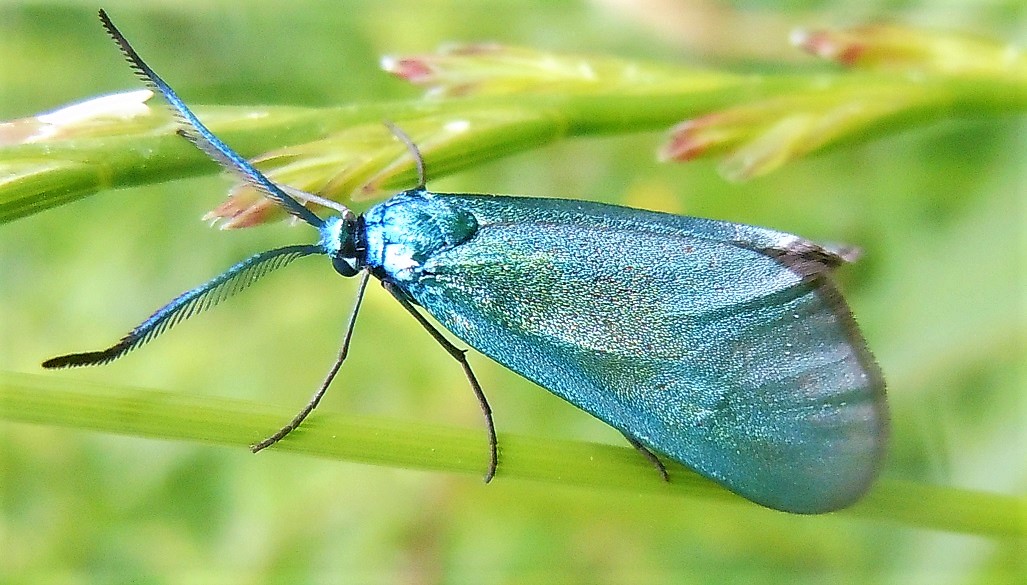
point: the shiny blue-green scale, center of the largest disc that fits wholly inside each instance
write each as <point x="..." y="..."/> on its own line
<point x="723" y="346"/>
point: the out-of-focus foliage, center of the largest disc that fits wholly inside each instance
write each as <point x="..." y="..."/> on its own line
<point x="939" y="293"/>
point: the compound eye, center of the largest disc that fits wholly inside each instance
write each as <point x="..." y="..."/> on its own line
<point x="345" y="266"/>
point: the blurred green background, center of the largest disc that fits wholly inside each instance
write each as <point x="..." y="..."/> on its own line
<point x="940" y="295"/>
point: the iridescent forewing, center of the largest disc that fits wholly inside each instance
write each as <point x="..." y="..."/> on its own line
<point x="723" y="346"/>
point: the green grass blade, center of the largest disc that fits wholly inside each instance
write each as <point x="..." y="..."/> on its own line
<point x="756" y="123"/>
<point x="52" y="400"/>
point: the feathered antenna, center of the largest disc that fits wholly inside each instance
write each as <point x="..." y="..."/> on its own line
<point x="189" y="303"/>
<point x="192" y="129"/>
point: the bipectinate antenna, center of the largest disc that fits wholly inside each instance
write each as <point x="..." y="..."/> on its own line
<point x="191" y="128"/>
<point x="197" y="300"/>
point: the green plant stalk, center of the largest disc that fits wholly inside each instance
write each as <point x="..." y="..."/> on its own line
<point x="50" y="400"/>
<point x="38" y="176"/>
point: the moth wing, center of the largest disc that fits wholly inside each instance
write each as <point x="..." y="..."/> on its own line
<point x="725" y="347"/>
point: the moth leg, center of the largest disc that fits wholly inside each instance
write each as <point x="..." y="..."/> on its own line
<point x="460" y="356"/>
<point x="648" y="455"/>
<point x="314" y="400"/>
